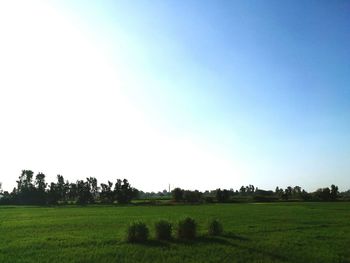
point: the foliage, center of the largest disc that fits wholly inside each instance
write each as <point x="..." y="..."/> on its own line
<point x="187" y="228"/>
<point x="163" y="230"/>
<point x="84" y="193"/>
<point x="222" y="196"/>
<point x="33" y="190"/>
<point x="107" y="194"/>
<point x="192" y="196"/>
<point x="124" y="192"/>
<point x="178" y="194"/>
<point x="137" y="232"/>
<point x="215" y="228"/>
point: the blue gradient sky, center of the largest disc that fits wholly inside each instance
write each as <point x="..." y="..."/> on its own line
<point x="264" y="85"/>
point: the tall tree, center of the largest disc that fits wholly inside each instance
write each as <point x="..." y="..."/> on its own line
<point x="107" y="194"/>
<point x="123" y="191"/>
<point x="40" y="189"/>
<point x="53" y="194"/>
<point x="92" y="181"/>
<point x="25" y="188"/>
<point x="61" y="188"/>
<point x="25" y="182"/>
<point x="40" y="182"/>
<point x="72" y="191"/>
<point x="334" y="192"/>
<point x="84" y="193"/>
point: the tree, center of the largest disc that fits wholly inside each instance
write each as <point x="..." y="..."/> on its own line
<point x="53" y="194"/>
<point x="123" y="191"/>
<point x="323" y="194"/>
<point x="279" y="192"/>
<point x="178" y="194"/>
<point x="84" y="193"/>
<point x="40" y="182"/>
<point x="296" y="191"/>
<point x="192" y="196"/>
<point x="40" y="189"/>
<point x="107" y="194"/>
<point x="8" y="198"/>
<point x="92" y="181"/>
<point x="72" y="192"/>
<point x="25" y="181"/>
<point x="250" y="188"/>
<point x="62" y="188"/>
<point x="222" y="196"/>
<point x="25" y="188"/>
<point x="334" y="192"/>
<point x="305" y="196"/>
<point x="287" y="193"/>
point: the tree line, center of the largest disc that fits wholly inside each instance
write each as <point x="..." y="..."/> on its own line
<point x="34" y="190"/>
<point x="253" y="194"/>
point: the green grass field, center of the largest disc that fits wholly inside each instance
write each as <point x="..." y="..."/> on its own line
<point x="276" y="232"/>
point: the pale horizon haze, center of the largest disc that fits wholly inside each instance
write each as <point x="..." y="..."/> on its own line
<point x="195" y="94"/>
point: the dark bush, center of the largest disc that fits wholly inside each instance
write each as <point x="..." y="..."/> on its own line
<point x="215" y="228"/>
<point x="209" y="199"/>
<point x="163" y="230"/>
<point x="137" y="232"/>
<point x="187" y="228"/>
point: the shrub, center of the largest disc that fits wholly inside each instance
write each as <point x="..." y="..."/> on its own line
<point x="163" y="230"/>
<point x="187" y="228"/>
<point x="137" y="232"/>
<point x="215" y="228"/>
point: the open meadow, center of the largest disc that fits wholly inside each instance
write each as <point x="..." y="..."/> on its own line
<point x="276" y="232"/>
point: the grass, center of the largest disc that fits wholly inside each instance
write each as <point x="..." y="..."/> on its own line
<point x="276" y="232"/>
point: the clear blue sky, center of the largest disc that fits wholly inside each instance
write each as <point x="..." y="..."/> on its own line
<point x="264" y="85"/>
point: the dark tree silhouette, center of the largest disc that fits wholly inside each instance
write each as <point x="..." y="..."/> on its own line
<point x="32" y="190"/>
<point x="84" y="193"/>
<point x="53" y="194"/>
<point x="40" y="189"/>
<point x="25" y="188"/>
<point x="223" y="196"/>
<point x="40" y="182"/>
<point x="323" y="194"/>
<point x="92" y="182"/>
<point x="178" y="194"/>
<point x="73" y="192"/>
<point x="334" y="192"/>
<point x="107" y="194"/>
<point x="192" y="196"/>
<point x="123" y="191"/>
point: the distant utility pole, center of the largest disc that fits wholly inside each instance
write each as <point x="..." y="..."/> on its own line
<point x="169" y="188"/>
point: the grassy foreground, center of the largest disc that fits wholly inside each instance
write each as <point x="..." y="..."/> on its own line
<point x="276" y="232"/>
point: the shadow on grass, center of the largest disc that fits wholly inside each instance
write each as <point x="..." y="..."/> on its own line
<point x="200" y="240"/>
<point x="228" y="239"/>
<point x="234" y="236"/>
<point x="151" y="243"/>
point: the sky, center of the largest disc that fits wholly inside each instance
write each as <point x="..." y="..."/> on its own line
<point x="195" y="94"/>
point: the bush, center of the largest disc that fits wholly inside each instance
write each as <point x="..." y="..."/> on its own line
<point x="163" y="230"/>
<point x="187" y="228"/>
<point x="215" y="228"/>
<point x="137" y="232"/>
